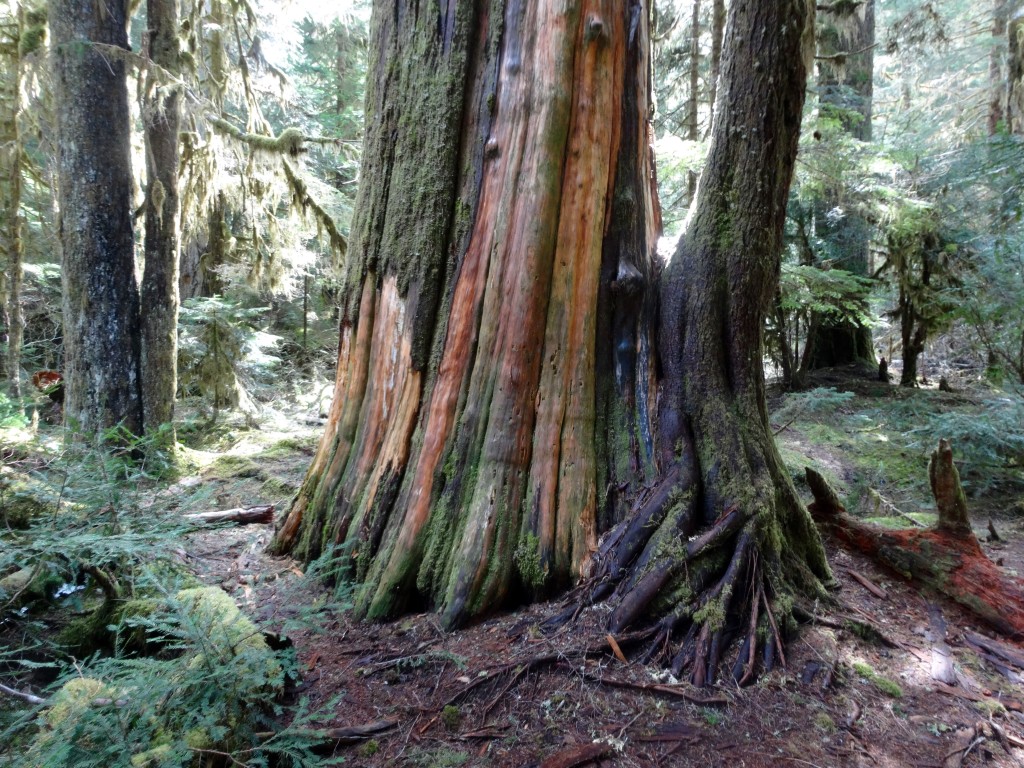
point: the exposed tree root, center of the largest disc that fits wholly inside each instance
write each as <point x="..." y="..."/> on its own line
<point x="946" y="558"/>
<point x="703" y="584"/>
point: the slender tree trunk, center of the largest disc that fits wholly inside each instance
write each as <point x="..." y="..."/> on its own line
<point x="101" y="298"/>
<point x="846" y="44"/>
<point x="11" y="153"/>
<point x="997" y="82"/>
<point x="1015" y="72"/>
<point x="160" y="276"/>
<point x="495" y="374"/>
<point x="717" y="30"/>
<point x="692" y="112"/>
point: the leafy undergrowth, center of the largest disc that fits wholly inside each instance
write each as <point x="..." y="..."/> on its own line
<point x="857" y="689"/>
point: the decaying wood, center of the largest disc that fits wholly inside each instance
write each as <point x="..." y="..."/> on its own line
<point x="883" y="503"/>
<point x="947" y="558"/>
<point x="942" y="658"/>
<point x="1009" y="662"/>
<point x="948" y="492"/>
<point x="869" y="585"/>
<point x="966" y="695"/>
<point x="262" y="513"/>
<point x="578" y="755"/>
<point x="677" y="691"/>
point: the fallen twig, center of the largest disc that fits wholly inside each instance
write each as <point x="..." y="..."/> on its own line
<point x="868" y="584"/>
<point x="262" y="513"/>
<point x="28" y="698"/>
<point x="669" y="690"/>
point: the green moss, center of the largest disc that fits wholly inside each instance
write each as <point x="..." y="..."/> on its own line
<point x="75" y="696"/>
<point x="369" y="748"/>
<point x="527" y="558"/>
<point x="823" y="722"/>
<point x="451" y="717"/>
<point x="276" y="488"/>
<point x="229" y="633"/>
<point x="925" y="518"/>
<point x="712" y="613"/>
<point x="883" y="684"/>
<point x="230" y="467"/>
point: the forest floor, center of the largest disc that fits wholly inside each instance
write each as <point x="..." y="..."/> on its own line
<point x="857" y="688"/>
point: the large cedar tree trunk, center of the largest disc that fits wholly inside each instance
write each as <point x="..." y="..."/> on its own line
<point x="101" y="296"/>
<point x="495" y="379"/>
<point x="846" y="40"/>
<point x="491" y="413"/>
<point x="161" y="243"/>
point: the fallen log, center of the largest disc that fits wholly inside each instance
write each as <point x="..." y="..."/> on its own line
<point x="947" y="558"/>
<point x="262" y="513"/>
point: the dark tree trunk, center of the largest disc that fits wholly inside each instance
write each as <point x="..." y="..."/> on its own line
<point x="1015" y="72"/>
<point x="846" y="46"/>
<point x="724" y="551"/>
<point x="495" y="375"/>
<point x="692" y="111"/>
<point x="491" y="409"/>
<point x="160" y="276"/>
<point x="997" y="82"/>
<point x="101" y="297"/>
<point x="11" y="152"/>
<point x="717" y="31"/>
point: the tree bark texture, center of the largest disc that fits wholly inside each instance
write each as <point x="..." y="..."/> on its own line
<point x="846" y="42"/>
<point x="159" y="293"/>
<point x="1015" y="73"/>
<point x="12" y="324"/>
<point x="996" y="78"/>
<point x="492" y="409"/>
<point x="100" y="288"/>
<point x="723" y="545"/>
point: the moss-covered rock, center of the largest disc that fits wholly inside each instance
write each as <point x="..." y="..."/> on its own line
<point x="74" y="697"/>
<point x="229" y="634"/>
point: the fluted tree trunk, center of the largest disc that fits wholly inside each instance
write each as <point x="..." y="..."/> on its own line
<point x="100" y="288"/>
<point x="492" y="409"/>
<point x="161" y="115"/>
<point x="495" y="375"/>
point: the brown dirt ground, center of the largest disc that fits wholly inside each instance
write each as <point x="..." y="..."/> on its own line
<point x="463" y="698"/>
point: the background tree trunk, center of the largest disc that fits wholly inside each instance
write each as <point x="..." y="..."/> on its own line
<point x="846" y="40"/>
<point x="997" y="81"/>
<point x="160" y="276"/>
<point x="11" y="151"/>
<point x="491" y="410"/>
<point x="100" y="289"/>
<point x="1015" y="71"/>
